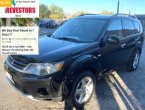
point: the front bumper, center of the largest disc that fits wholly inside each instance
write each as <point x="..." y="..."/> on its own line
<point x="37" y="88"/>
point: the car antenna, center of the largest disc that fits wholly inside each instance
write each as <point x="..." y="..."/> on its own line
<point x="118" y="6"/>
<point x="129" y="13"/>
<point x="134" y="11"/>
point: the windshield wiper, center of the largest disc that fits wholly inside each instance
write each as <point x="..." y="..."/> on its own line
<point x="68" y="39"/>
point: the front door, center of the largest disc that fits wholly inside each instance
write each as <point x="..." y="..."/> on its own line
<point x="112" y="55"/>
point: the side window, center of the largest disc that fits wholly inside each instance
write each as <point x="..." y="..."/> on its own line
<point x="115" y="28"/>
<point x="128" y="27"/>
<point x="137" y="27"/>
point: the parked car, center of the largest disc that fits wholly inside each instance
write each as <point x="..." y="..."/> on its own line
<point x="62" y="22"/>
<point x="42" y="23"/>
<point x="48" y="23"/>
<point x="51" y="24"/>
<point x="76" y="55"/>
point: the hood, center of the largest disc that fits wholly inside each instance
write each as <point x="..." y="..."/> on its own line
<point x="53" y="50"/>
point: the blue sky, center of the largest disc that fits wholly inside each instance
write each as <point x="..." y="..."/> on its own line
<point x="96" y="6"/>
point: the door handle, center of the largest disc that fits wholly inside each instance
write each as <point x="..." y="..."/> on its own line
<point x="123" y="45"/>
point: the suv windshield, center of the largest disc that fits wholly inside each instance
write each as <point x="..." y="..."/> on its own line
<point x="80" y="30"/>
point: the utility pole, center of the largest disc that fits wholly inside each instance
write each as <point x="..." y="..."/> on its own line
<point x="118" y="6"/>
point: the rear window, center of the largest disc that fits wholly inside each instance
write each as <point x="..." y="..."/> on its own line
<point x="128" y="27"/>
<point x="137" y="27"/>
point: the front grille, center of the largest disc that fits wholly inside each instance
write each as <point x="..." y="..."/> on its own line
<point x="18" y="62"/>
<point x="20" y="58"/>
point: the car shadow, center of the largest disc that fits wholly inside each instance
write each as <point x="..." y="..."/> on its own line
<point x="120" y="90"/>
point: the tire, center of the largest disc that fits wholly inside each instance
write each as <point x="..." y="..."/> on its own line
<point x="133" y="61"/>
<point x="84" y="92"/>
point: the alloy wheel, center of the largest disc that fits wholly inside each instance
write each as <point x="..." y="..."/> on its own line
<point x="84" y="90"/>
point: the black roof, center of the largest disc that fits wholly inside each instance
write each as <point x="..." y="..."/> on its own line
<point x="107" y="17"/>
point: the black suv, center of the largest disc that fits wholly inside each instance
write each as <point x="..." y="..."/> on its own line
<point x="78" y="53"/>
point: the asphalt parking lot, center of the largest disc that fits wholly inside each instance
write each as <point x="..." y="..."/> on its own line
<point x="45" y="31"/>
<point x="120" y="90"/>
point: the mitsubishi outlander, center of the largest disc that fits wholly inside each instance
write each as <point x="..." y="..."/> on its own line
<point x="75" y="56"/>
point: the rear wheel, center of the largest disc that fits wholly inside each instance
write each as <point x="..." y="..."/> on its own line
<point x="133" y="61"/>
<point x="82" y="89"/>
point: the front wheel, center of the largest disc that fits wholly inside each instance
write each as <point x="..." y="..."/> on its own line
<point x="133" y="61"/>
<point x="82" y="89"/>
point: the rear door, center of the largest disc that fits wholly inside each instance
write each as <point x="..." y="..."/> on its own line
<point x="130" y="37"/>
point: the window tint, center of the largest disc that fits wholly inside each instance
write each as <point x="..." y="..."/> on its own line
<point x="128" y="27"/>
<point x="137" y="27"/>
<point x="115" y="28"/>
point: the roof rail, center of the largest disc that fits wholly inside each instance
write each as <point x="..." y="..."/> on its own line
<point x="121" y="14"/>
<point x="124" y="14"/>
<point x="133" y="16"/>
<point x="88" y="14"/>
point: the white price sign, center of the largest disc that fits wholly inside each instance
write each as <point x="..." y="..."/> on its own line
<point x="19" y="40"/>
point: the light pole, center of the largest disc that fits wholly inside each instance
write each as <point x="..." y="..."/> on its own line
<point x="118" y="7"/>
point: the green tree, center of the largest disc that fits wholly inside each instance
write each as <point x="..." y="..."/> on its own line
<point x="23" y="21"/>
<point x="44" y="11"/>
<point x="56" y="12"/>
<point x="104" y="12"/>
<point x="4" y="21"/>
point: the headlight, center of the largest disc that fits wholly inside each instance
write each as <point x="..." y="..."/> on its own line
<point x="42" y="69"/>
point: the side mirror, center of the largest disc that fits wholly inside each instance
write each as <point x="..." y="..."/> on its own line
<point x="113" y="39"/>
